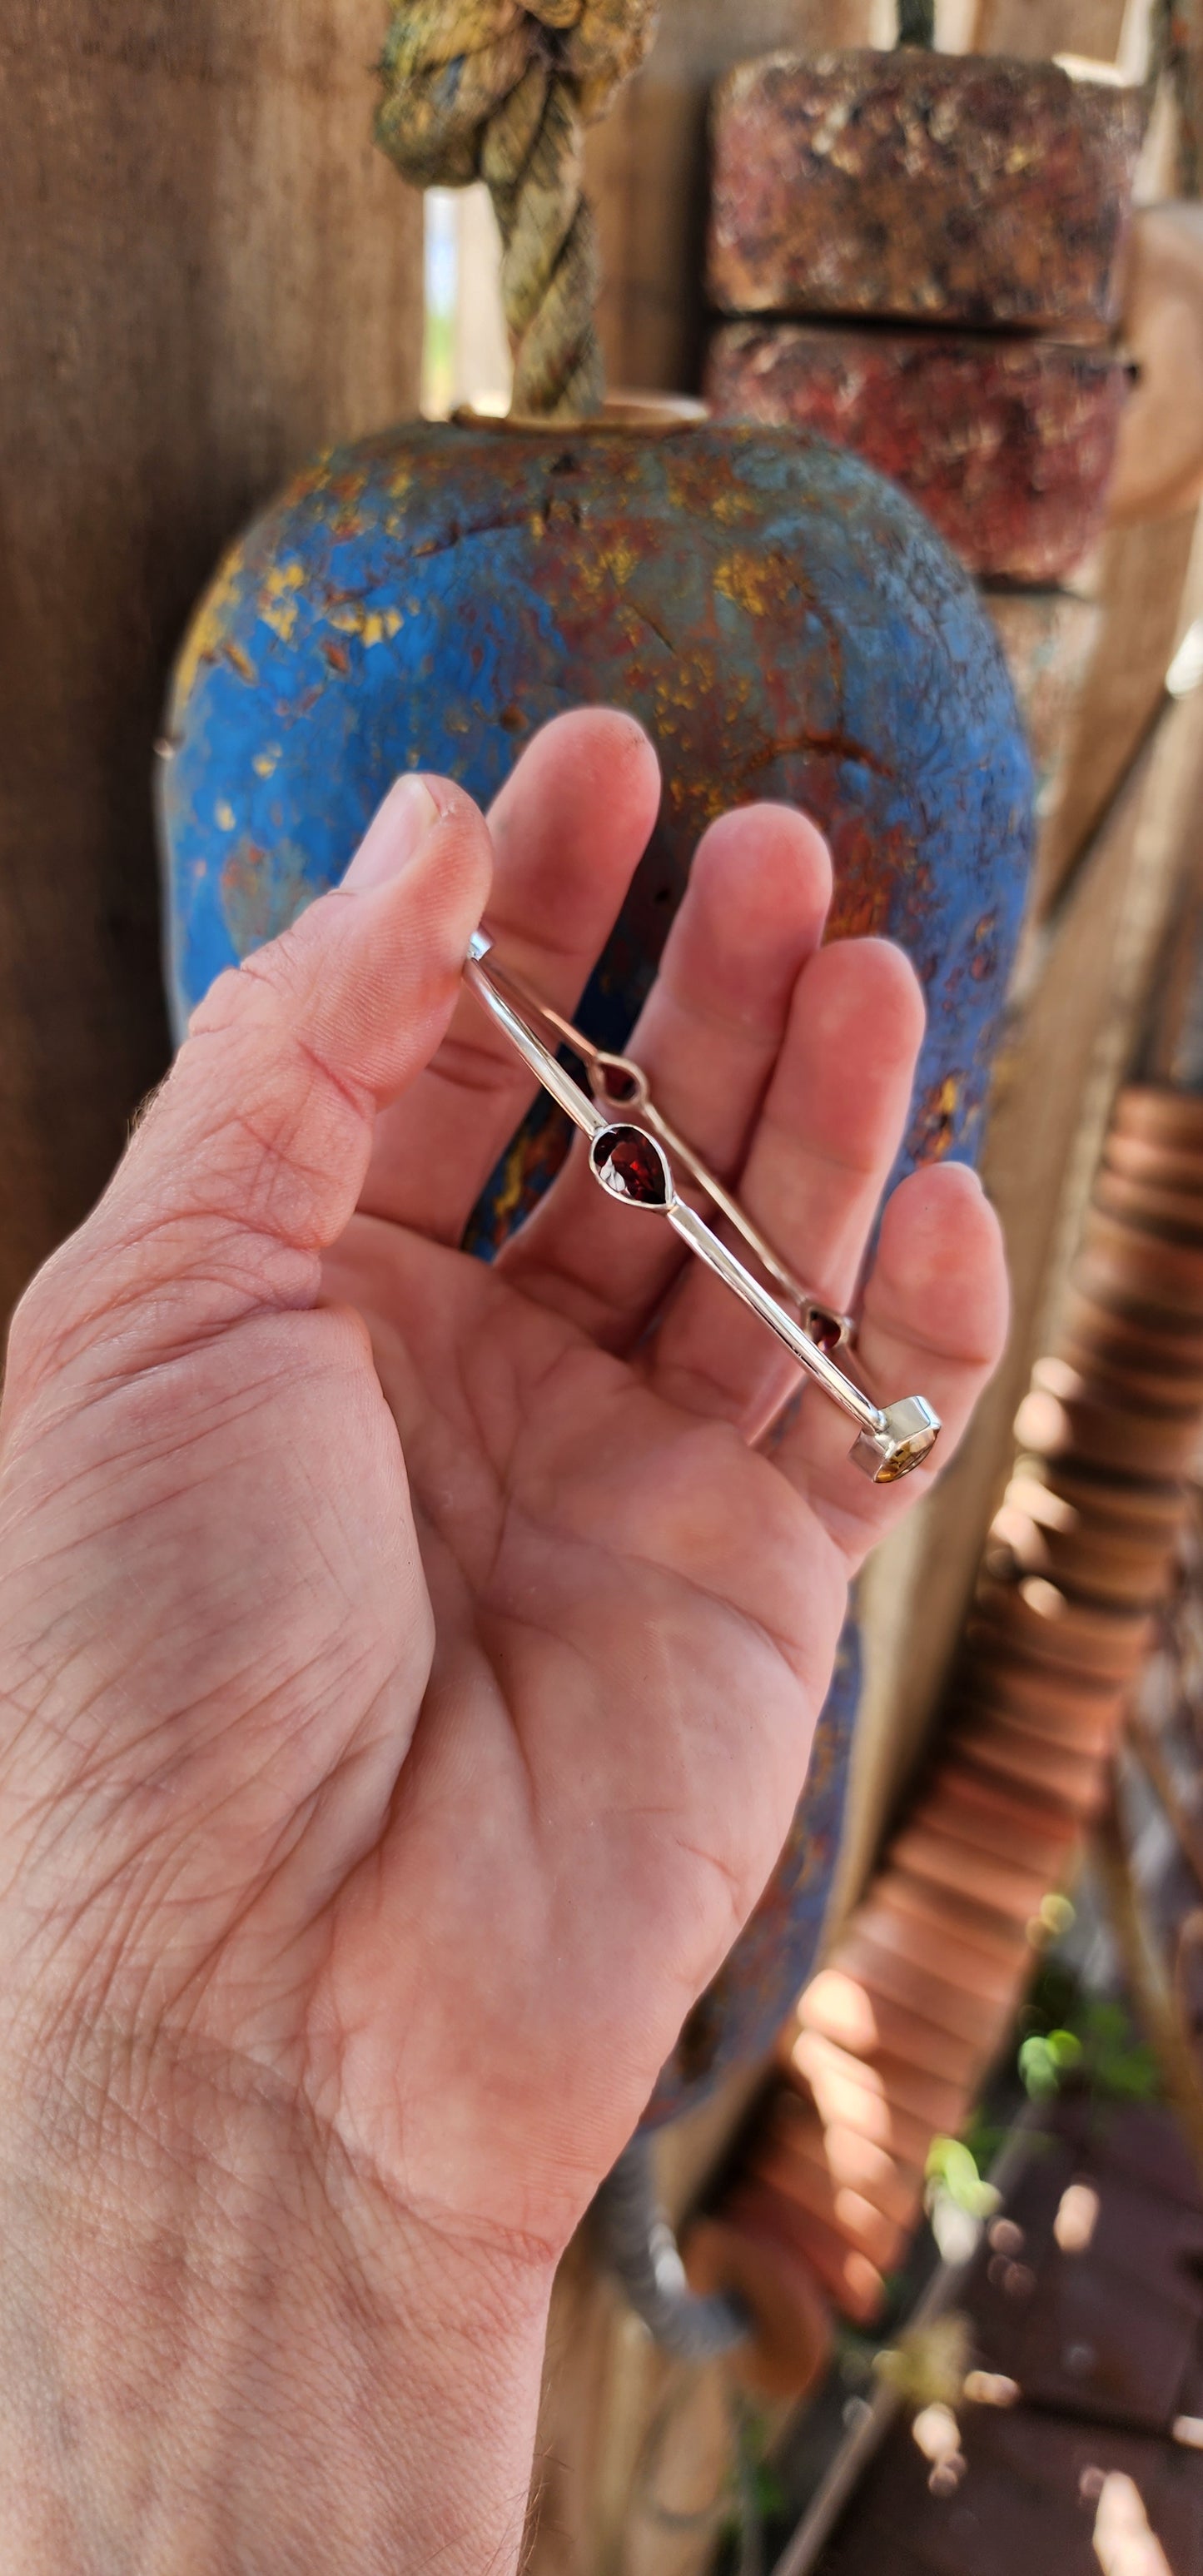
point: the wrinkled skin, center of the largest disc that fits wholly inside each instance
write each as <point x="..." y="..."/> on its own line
<point x="411" y="1667"/>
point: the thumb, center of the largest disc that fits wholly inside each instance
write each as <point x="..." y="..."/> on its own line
<point x="250" y="1160"/>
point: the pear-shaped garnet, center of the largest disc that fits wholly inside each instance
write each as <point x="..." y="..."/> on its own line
<point x="630" y="1164"/>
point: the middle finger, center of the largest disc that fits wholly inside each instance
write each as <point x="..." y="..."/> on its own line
<point x="708" y="1040"/>
<point x="823" y="1149"/>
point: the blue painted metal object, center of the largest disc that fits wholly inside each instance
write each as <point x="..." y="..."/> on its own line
<point x="783" y="623"/>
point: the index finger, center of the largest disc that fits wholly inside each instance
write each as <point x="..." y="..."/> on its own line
<point x="569" y="828"/>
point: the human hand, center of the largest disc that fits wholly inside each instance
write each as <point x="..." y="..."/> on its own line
<point x="412" y="1666"/>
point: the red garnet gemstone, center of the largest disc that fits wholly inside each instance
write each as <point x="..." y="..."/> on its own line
<point x="619" y="1085"/>
<point x="631" y="1165"/>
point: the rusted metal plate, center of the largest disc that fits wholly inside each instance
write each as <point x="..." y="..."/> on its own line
<point x="921" y="187"/>
<point x="1007" y="444"/>
<point x="785" y="625"/>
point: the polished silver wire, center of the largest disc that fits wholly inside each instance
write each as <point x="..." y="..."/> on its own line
<point x="892" y="1440"/>
<point x="618" y="1085"/>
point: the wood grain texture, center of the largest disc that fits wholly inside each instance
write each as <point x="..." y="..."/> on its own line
<point x="1187" y="60"/>
<point x="1105" y="31"/>
<point x="1159" y="458"/>
<point x="1049" y="638"/>
<point x="1035" y="29"/>
<point x="1139" y="588"/>
<point x="208" y="272"/>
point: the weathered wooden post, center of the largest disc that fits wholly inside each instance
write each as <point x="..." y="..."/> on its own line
<point x="207" y="272"/>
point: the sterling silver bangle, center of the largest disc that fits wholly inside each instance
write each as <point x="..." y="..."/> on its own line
<point x="629" y="1155"/>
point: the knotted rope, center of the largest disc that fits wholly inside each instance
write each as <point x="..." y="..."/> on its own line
<point x="488" y="89"/>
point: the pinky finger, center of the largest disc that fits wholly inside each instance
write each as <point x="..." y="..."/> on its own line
<point x="933" y="1323"/>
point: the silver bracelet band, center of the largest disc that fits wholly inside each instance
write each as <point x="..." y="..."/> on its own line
<point x="630" y="1145"/>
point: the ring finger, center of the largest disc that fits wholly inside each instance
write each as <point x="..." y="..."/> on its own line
<point x="822" y="1151"/>
<point x="707" y="1039"/>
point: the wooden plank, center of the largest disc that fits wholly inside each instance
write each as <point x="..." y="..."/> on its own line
<point x="634" y="2450"/>
<point x="1110" y="32"/>
<point x="1049" y="638"/>
<point x="1139" y="586"/>
<point x="1037" y="28"/>
<point x="1187" y="33"/>
<point x="1074" y="1030"/>
<point x="209" y="270"/>
<point x="1159" y="458"/>
<point x="646" y="168"/>
<point x="956" y="25"/>
<point x="623" y="2429"/>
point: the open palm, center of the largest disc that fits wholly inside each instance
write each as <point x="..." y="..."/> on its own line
<point x="416" y="1713"/>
